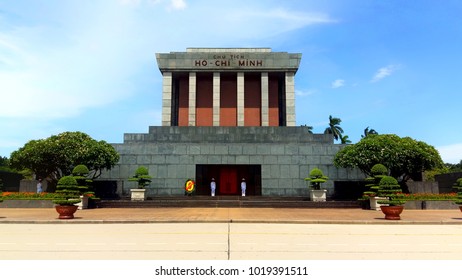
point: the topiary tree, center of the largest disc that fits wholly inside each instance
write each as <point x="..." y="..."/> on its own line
<point x="316" y="178"/>
<point x="378" y="171"/>
<point x="68" y="188"/>
<point x="142" y="177"/>
<point x="389" y="187"/>
<point x="80" y="174"/>
<point x="458" y="188"/>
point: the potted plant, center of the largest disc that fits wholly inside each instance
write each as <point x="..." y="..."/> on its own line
<point x="392" y="207"/>
<point x="378" y="171"/>
<point x="316" y="178"/>
<point x="143" y="179"/>
<point x="67" y="187"/>
<point x="80" y="174"/>
<point x="458" y="188"/>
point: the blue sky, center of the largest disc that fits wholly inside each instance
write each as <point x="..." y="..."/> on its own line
<point x="393" y="66"/>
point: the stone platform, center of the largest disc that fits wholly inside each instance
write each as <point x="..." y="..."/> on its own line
<point x="227" y="202"/>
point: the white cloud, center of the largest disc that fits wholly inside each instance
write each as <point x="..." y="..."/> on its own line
<point x="76" y="58"/>
<point x="259" y="21"/>
<point x="178" y="4"/>
<point x="302" y="18"/>
<point x="451" y="153"/>
<point x="384" y="72"/>
<point x="130" y="2"/>
<point x="305" y="92"/>
<point x="170" y="4"/>
<point x="338" y="83"/>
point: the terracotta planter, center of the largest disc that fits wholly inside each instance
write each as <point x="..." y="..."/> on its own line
<point x="392" y="212"/>
<point x="66" y="211"/>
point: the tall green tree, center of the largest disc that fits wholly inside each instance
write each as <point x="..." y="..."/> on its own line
<point x="4" y="161"/>
<point x="344" y="139"/>
<point x="57" y="155"/>
<point x="368" y="132"/>
<point x="404" y="157"/>
<point x="334" y="128"/>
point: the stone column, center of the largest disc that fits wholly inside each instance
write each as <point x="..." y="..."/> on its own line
<point x="167" y="99"/>
<point x="290" y="99"/>
<point x="264" y="99"/>
<point x="240" y="99"/>
<point x="216" y="99"/>
<point x="192" y="99"/>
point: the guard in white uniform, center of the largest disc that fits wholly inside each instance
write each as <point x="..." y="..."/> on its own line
<point x="243" y="186"/>
<point x="213" y="186"/>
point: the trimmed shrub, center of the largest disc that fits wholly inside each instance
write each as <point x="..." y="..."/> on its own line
<point x="142" y="177"/>
<point x="80" y="173"/>
<point x="378" y="171"/>
<point x="389" y="187"/>
<point x="316" y="178"/>
<point x="80" y="170"/>
<point x="68" y="188"/>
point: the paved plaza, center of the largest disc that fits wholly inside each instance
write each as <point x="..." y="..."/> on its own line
<point x="229" y="234"/>
<point x="225" y="215"/>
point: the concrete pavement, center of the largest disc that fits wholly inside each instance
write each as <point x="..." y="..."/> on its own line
<point x="225" y="215"/>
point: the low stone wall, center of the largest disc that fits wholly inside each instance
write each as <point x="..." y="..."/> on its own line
<point x="430" y="204"/>
<point x="26" y="203"/>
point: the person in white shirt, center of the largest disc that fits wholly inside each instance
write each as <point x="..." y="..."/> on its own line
<point x="243" y="186"/>
<point x="213" y="186"/>
<point x="39" y="186"/>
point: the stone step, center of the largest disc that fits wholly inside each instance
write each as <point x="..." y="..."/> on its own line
<point x="227" y="202"/>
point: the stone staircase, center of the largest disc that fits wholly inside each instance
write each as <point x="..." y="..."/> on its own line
<point x="227" y="202"/>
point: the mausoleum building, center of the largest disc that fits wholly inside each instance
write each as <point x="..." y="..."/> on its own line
<point x="228" y="114"/>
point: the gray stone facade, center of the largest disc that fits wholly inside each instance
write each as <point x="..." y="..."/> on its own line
<point x="268" y="150"/>
<point x="228" y="59"/>
<point x="286" y="156"/>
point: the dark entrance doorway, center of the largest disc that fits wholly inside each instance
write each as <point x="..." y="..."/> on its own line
<point x="228" y="179"/>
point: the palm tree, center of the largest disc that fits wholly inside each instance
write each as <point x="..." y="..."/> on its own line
<point x="368" y="131"/>
<point x="344" y="140"/>
<point x="334" y="128"/>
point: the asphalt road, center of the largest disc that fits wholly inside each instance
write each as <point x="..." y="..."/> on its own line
<point x="229" y="241"/>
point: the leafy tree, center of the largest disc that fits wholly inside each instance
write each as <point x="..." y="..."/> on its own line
<point x="4" y="165"/>
<point x="454" y="167"/>
<point x="447" y="168"/>
<point x="57" y="155"/>
<point x="4" y="161"/>
<point x="368" y="132"/>
<point x="344" y="140"/>
<point x="405" y="157"/>
<point x="334" y="128"/>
